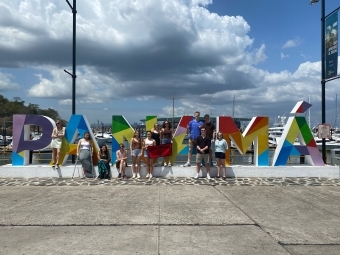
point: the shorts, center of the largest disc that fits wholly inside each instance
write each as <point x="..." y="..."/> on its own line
<point x="199" y="158"/>
<point x="146" y="154"/>
<point x="136" y="152"/>
<point x="56" y="143"/>
<point x="220" y="155"/>
<point x="192" y="143"/>
<point x="166" y="140"/>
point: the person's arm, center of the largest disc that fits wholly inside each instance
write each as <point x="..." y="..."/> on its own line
<point x="188" y="128"/>
<point x="78" y="146"/>
<point x="125" y="158"/>
<point x="214" y="133"/>
<point x="62" y="134"/>
<point x="161" y="135"/>
<point x="154" y="142"/>
<point x="108" y="156"/>
<point x="53" y="133"/>
<point x="98" y="156"/>
<point x="131" y="146"/>
<point x="117" y="156"/>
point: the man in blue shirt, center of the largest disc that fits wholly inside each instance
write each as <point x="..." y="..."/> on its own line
<point x="194" y="131"/>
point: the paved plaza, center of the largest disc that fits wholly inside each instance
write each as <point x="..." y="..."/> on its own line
<point x="170" y="216"/>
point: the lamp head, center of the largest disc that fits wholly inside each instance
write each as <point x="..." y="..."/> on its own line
<point x="313" y="1"/>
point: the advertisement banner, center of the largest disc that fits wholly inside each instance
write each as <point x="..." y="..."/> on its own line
<point x="331" y="38"/>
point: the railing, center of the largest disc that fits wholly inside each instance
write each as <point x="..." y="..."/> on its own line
<point x="44" y="157"/>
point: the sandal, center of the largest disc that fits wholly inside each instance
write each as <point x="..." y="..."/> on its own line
<point x="217" y="177"/>
<point x="223" y="178"/>
<point x="124" y="177"/>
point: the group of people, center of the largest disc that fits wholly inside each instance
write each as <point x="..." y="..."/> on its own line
<point x="202" y="136"/>
<point x="155" y="136"/>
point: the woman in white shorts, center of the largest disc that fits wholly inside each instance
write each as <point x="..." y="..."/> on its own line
<point x="148" y="141"/>
<point x="136" y="154"/>
<point x="57" y="139"/>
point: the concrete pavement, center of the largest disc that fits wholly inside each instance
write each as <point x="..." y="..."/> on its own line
<point x="169" y="219"/>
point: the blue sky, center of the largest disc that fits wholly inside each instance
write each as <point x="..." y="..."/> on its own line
<point x="134" y="56"/>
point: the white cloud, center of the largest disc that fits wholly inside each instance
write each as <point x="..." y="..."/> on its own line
<point x="144" y="51"/>
<point x="291" y="43"/>
<point x="6" y="83"/>
<point x="284" y="56"/>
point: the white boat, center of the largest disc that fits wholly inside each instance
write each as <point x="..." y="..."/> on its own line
<point x="102" y="138"/>
<point x="275" y="132"/>
<point x="330" y="144"/>
<point x="4" y="142"/>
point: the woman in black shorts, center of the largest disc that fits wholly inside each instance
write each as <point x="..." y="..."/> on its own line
<point x="220" y="147"/>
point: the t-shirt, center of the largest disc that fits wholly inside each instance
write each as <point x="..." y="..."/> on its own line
<point x="209" y="127"/>
<point x="195" y="131"/>
<point x="203" y="142"/>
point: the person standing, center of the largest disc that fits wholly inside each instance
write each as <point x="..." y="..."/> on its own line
<point x="155" y="134"/>
<point x="203" y="143"/>
<point x="85" y="153"/>
<point x="136" y="154"/>
<point x="104" y="158"/>
<point x="148" y="141"/>
<point x="220" y="147"/>
<point x="121" y="157"/>
<point x="194" y="130"/>
<point x="57" y="138"/>
<point x="211" y="132"/>
<point x="166" y="138"/>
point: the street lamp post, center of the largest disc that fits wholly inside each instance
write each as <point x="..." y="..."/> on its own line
<point x="323" y="74"/>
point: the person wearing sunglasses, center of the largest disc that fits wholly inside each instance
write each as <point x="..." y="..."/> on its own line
<point x="121" y="159"/>
<point x="57" y="138"/>
<point x="203" y="145"/>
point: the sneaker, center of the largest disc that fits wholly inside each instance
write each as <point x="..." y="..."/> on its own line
<point x="147" y="176"/>
<point x="196" y="176"/>
<point x="150" y="176"/>
<point x="133" y="176"/>
<point x="187" y="164"/>
<point x="165" y="165"/>
<point x="169" y="164"/>
<point x="138" y="176"/>
<point x="208" y="176"/>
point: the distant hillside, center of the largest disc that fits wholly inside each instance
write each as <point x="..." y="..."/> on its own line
<point x="17" y="106"/>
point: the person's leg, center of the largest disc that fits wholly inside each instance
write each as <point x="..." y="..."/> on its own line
<point x="151" y="169"/>
<point x="207" y="165"/>
<point x="198" y="164"/>
<point x="138" y="166"/>
<point x="123" y="164"/>
<point x="218" y="165"/>
<point x="148" y="166"/>
<point x="121" y="167"/>
<point x="191" y="145"/>
<point x="167" y="160"/>
<point x="57" y="157"/>
<point x="54" y="154"/>
<point x="133" y="167"/>
<point x="223" y="168"/>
